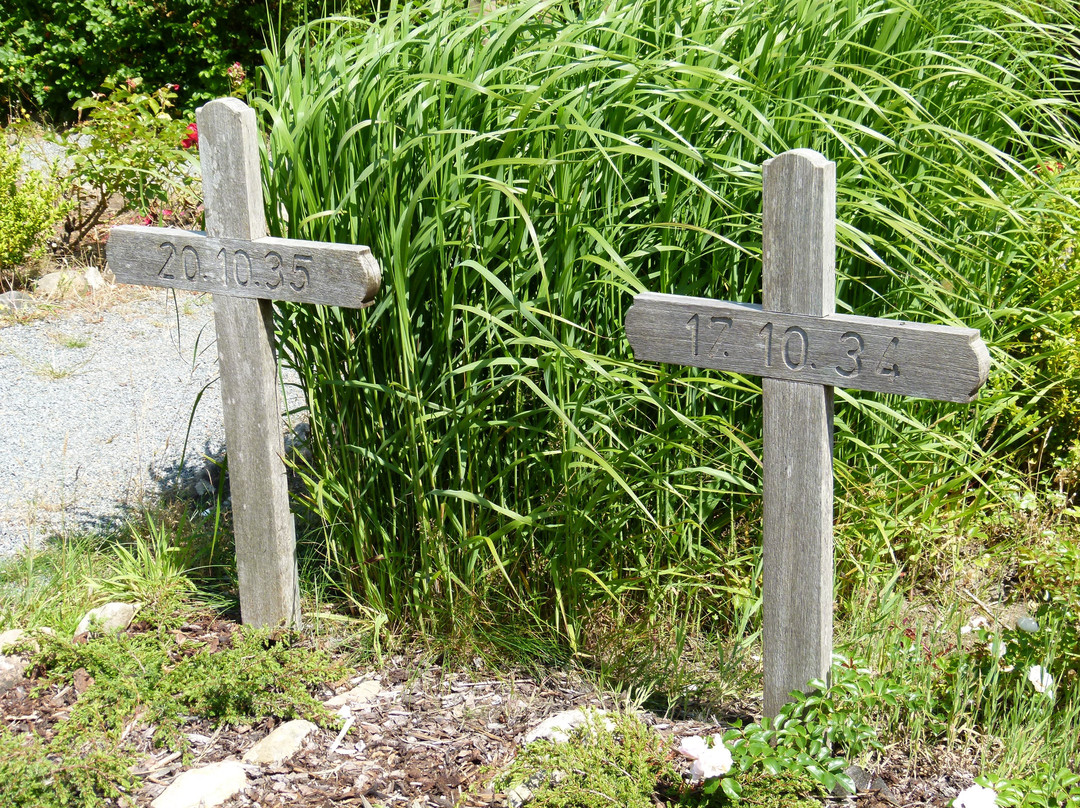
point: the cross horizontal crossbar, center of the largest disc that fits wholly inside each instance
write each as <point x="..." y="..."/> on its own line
<point x="300" y="271"/>
<point x="938" y="362"/>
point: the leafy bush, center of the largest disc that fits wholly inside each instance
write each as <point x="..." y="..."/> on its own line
<point x="1046" y="788"/>
<point x="53" y="52"/>
<point x="29" y="209"/>
<point x="483" y="434"/>
<point x="133" y="149"/>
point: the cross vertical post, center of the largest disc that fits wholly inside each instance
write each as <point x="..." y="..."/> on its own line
<point x="245" y="270"/>
<point x="262" y="522"/>
<point x="798" y="277"/>
<point x="802" y="348"/>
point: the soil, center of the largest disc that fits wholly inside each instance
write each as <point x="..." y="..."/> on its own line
<point x="433" y="737"/>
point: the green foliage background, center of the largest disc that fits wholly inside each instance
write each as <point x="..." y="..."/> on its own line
<point x="484" y="442"/>
<point x="54" y="52"/>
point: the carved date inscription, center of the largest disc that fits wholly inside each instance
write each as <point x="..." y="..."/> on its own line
<point x="236" y="267"/>
<point x="274" y="269"/>
<point x="928" y="361"/>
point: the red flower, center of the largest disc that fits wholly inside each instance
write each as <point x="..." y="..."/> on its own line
<point x="193" y="137"/>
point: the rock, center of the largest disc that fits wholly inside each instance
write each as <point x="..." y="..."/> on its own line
<point x="518" y="796"/>
<point x="859" y="776"/>
<point x="10" y="639"/>
<point x="559" y="727"/>
<point x="361" y="694"/>
<point x="94" y="281"/>
<point x="864" y="782"/>
<point x="14" y="301"/>
<point x="62" y="284"/>
<point x="883" y="790"/>
<point x="1028" y="624"/>
<point x="205" y="787"/>
<point x="12" y="669"/>
<point x="110" y="618"/>
<point x="281" y="744"/>
<point x="16" y="637"/>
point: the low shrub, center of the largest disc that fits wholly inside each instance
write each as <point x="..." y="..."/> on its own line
<point x="29" y="209"/>
<point x="132" y="149"/>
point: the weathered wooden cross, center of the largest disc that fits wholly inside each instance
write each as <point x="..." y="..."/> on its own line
<point x="803" y="349"/>
<point x="245" y="270"/>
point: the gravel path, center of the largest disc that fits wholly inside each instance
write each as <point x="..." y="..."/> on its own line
<point x="94" y="408"/>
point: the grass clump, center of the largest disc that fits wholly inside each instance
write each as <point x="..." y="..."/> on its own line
<point x="483" y="440"/>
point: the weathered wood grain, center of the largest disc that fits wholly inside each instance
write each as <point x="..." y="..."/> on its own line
<point x="300" y="271"/>
<point x="864" y="353"/>
<point x="262" y="522"/>
<point x="798" y="238"/>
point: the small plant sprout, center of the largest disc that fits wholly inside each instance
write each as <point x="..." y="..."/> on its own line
<point x="976" y="797"/>
<point x="711" y="758"/>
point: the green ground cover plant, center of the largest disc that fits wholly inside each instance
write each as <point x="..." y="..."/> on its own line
<point x="152" y="676"/>
<point x="620" y="761"/>
<point x="149" y="678"/>
<point x="486" y="450"/>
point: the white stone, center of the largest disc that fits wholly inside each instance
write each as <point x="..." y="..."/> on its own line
<point x="281" y="744"/>
<point x="13" y="301"/>
<point x="11" y="672"/>
<point x="205" y="787"/>
<point x="110" y="618"/>
<point x="518" y="796"/>
<point x="94" y="279"/>
<point x="61" y="284"/>
<point x="361" y="694"/>
<point x="559" y="727"/>
<point x="1028" y="624"/>
<point x="11" y="639"/>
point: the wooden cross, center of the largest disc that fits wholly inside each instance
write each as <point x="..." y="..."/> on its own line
<point x="803" y="349"/>
<point x="245" y="270"/>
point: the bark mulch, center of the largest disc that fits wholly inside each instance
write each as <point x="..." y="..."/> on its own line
<point x="429" y="738"/>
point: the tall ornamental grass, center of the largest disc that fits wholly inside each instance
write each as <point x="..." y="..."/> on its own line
<point x="485" y="446"/>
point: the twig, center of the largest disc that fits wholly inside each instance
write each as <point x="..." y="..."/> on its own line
<point x="157" y="765"/>
<point x="337" y="741"/>
<point x="985" y="608"/>
<point x="209" y="744"/>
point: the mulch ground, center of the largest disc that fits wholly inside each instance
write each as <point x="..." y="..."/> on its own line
<point x="432" y="738"/>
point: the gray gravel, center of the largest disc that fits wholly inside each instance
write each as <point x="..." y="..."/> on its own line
<point x="94" y="410"/>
